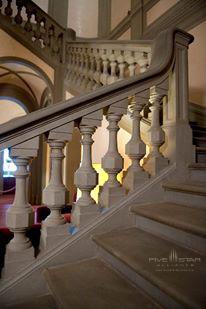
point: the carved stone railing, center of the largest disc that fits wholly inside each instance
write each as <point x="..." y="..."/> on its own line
<point x="91" y="65"/>
<point x="165" y="81"/>
<point x="35" y="29"/>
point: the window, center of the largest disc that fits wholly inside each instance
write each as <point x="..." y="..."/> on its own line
<point x="8" y="166"/>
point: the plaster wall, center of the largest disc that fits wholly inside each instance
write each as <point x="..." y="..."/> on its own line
<point x="159" y="9"/>
<point x="119" y="9"/>
<point x="10" y="110"/>
<point x="43" y="4"/>
<point x="12" y="48"/>
<point x="83" y="17"/>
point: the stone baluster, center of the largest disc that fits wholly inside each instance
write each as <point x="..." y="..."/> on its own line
<point x="130" y="59"/>
<point x="20" y="216"/>
<point x="85" y="70"/>
<point x="18" y="18"/>
<point x="104" y="76"/>
<point x="112" y="162"/>
<point x="142" y="59"/>
<point x="121" y="66"/>
<point x="97" y="73"/>
<point x="135" y="148"/>
<point x="54" y="195"/>
<point x="8" y="9"/>
<point x="77" y="67"/>
<point x="113" y="64"/>
<point x="91" y="83"/>
<point x="86" y="178"/>
<point x="81" y="69"/>
<point x="155" y="161"/>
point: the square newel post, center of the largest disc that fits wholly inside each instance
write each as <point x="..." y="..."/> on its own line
<point x="54" y="227"/>
<point x="176" y="120"/>
<point x="135" y="148"/>
<point x="20" y="216"/>
<point x="86" y="178"/>
<point x="112" y="162"/>
<point x="155" y="161"/>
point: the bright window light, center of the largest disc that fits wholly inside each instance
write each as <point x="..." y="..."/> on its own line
<point x="8" y="166"/>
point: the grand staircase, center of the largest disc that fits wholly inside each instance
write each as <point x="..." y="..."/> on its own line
<point x="143" y="245"/>
<point x="158" y="263"/>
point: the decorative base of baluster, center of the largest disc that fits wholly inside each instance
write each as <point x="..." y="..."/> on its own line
<point x="52" y="235"/>
<point x="16" y="261"/>
<point x="109" y="196"/>
<point x="82" y="215"/>
<point x="134" y="178"/>
<point x="154" y="165"/>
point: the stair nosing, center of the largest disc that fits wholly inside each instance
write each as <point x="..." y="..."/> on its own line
<point x="173" y="187"/>
<point x="173" y="224"/>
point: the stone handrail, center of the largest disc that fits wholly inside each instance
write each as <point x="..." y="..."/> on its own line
<point x="166" y="80"/>
<point x="35" y="29"/>
<point x="94" y="64"/>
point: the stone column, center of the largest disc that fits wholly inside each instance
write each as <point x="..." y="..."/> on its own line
<point x="155" y="161"/>
<point x="135" y="149"/>
<point x="86" y="179"/>
<point x="112" y="162"/>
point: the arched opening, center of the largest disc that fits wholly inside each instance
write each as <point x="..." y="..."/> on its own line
<point x="9" y="110"/>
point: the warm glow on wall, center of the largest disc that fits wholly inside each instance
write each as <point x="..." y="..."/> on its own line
<point x="102" y="179"/>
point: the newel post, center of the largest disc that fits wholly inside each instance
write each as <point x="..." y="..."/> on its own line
<point x="178" y="133"/>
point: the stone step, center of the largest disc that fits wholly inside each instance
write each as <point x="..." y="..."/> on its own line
<point x="190" y="194"/>
<point x="163" y="266"/>
<point x="92" y="284"/>
<point x="201" y="154"/>
<point x="197" y="172"/>
<point x="179" y="223"/>
<point x="43" y="302"/>
<point x="200" y="141"/>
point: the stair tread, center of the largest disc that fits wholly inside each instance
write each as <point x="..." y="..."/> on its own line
<point x="200" y="149"/>
<point x="138" y="249"/>
<point x="198" y="188"/>
<point x="198" y="165"/>
<point x="42" y="302"/>
<point x="92" y="284"/>
<point x="179" y="216"/>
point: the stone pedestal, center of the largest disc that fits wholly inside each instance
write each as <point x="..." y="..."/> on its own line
<point x="110" y="195"/>
<point x="16" y="261"/>
<point x="53" y="235"/>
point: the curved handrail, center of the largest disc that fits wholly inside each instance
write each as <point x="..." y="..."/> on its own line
<point x="38" y="122"/>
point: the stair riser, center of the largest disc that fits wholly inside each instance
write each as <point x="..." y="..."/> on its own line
<point x="186" y="199"/>
<point x="139" y="281"/>
<point x="197" y="175"/>
<point x="201" y="157"/>
<point x="200" y="143"/>
<point x="185" y="239"/>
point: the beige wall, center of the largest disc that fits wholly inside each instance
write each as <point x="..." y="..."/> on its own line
<point x="12" y="48"/>
<point x="197" y="66"/>
<point x="83" y="17"/>
<point x="158" y="9"/>
<point x="10" y="110"/>
<point x="43" y="4"/>
<point x="120" y="9"/>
